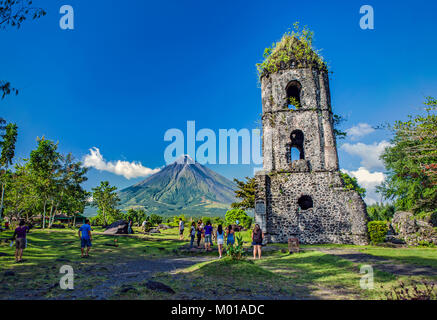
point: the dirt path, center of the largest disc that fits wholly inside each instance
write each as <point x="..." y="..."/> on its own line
<point x="115" y="276"/>
<point x="383" y="264"/>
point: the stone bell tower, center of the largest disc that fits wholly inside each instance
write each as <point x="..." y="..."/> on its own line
<point x="300" y="192"/>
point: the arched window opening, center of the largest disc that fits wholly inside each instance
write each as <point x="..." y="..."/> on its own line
<point x="296" y="146"/>
<point x="305" y="202"/>
<point x="293" y="95"/>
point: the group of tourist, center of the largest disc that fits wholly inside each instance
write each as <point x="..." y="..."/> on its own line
<point x="201" y="231"/>
<point x="207" y="234"/>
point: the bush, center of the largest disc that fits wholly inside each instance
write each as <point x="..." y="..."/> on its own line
<point x="433" y="219"/>
<point x="236" y="251"/>
<point x="426" y="244"/>
<point x="380" y="211"/>
<point x="377" y="231"/>
<point x="424" y="291"/>
<point x="155" y="219"/>
<point x="238" y="214"/>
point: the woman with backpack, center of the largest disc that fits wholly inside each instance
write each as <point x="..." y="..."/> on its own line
<point x="257" y="241"/>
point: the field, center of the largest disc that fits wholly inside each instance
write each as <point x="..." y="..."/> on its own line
<point x="124" y="271"/>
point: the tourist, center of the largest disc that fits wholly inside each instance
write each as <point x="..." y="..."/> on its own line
<point x="257" y="241"/>
<point x="192" y="234"/>
<point x="20" y="240"/>
<point x="129" y="227"/>
<point x="230" y="236"/>
<point x="181" y="229"/>
<point x="208" y="235"/>
<point x="220" y="239"/>
<point x="143" y="225"/>
<point x="85" y="238"/>
<point x="199" y="233"/>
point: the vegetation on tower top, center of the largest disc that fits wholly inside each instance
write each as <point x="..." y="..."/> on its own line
<point x="295" y="50"/>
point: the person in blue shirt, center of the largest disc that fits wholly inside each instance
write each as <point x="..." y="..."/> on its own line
<point x="85" y="238"/>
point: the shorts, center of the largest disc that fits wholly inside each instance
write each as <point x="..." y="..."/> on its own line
<point x="20" y="243"/>
<point x="257" y="243"/>
<point x="220" y="241"/>
<point x="207" y="238"/>
<point x="85" y="243"/>
<point x="181" y="232"/>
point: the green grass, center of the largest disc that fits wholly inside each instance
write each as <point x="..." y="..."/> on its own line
<point x="417" y="256"/>
<point x="309" y="274"/>
<point x="321" y="273"/>
<point x="217" y="279"/>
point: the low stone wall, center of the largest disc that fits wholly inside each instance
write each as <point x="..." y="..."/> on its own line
<point x="413" y="231"/>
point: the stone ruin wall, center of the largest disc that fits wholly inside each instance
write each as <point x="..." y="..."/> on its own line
<point x="337" y="215"/>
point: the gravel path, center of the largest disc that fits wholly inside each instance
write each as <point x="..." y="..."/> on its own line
<point x="122" y="273"/>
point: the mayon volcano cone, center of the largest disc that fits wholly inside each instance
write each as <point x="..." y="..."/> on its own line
<point x="183" y="187"/>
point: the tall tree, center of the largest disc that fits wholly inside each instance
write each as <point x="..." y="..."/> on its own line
<point x="106" y="199"/>
<point x="69" y="196"/>
<point x="246" y="192"/>
<point x="22" y="198"/>
<point x="411" y="163"/>
<point x="44" y="165"/>
<point x="6" y="156"/>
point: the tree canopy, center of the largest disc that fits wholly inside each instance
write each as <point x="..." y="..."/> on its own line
<point x="411" y="163"/>
<point x="246" y="192"/>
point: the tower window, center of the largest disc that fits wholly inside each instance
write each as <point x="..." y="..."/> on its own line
<point x="305" y="202"/>
<point x="293" y="95"/>
<point x="296" y="146"/>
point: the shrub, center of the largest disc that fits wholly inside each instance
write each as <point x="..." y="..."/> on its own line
<point x="296" y="46"/>
<point x="427" y="291"/>
<point x="377" y="231"/>
<point x="155" y="219"/>
<point x="236" y="251"/>
<point x="238" y="214"/>
<point x="380" y="211"/>
<point x="433" y="219"/>
<point x="426" y="244"/>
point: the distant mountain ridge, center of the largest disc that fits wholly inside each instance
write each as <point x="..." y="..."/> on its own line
<point x="184" y="187"/>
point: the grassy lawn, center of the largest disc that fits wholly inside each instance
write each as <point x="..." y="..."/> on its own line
<point x="48" y="250"/>
<point x="307" y="275"/>
<point x="218" y="279"/>
<point x="418" y="256"/>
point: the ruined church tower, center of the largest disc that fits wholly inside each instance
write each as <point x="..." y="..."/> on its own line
<point x="300" y="192"/>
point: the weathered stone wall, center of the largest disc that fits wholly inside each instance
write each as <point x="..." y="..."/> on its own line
<point x="337" y="216"/>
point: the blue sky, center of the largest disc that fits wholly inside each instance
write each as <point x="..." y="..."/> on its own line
<point x="131" y="70"/>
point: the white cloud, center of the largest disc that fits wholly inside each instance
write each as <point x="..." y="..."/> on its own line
<point x="126" y="169"/>
<point x="369" y="181"/>
<point x="369" y="153"/>
<point x="360" y="130"/>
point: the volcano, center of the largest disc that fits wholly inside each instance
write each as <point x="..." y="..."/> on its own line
<point x="184" y="187"/>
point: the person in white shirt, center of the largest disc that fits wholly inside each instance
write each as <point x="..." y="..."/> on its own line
<point x="181" y="229"/>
